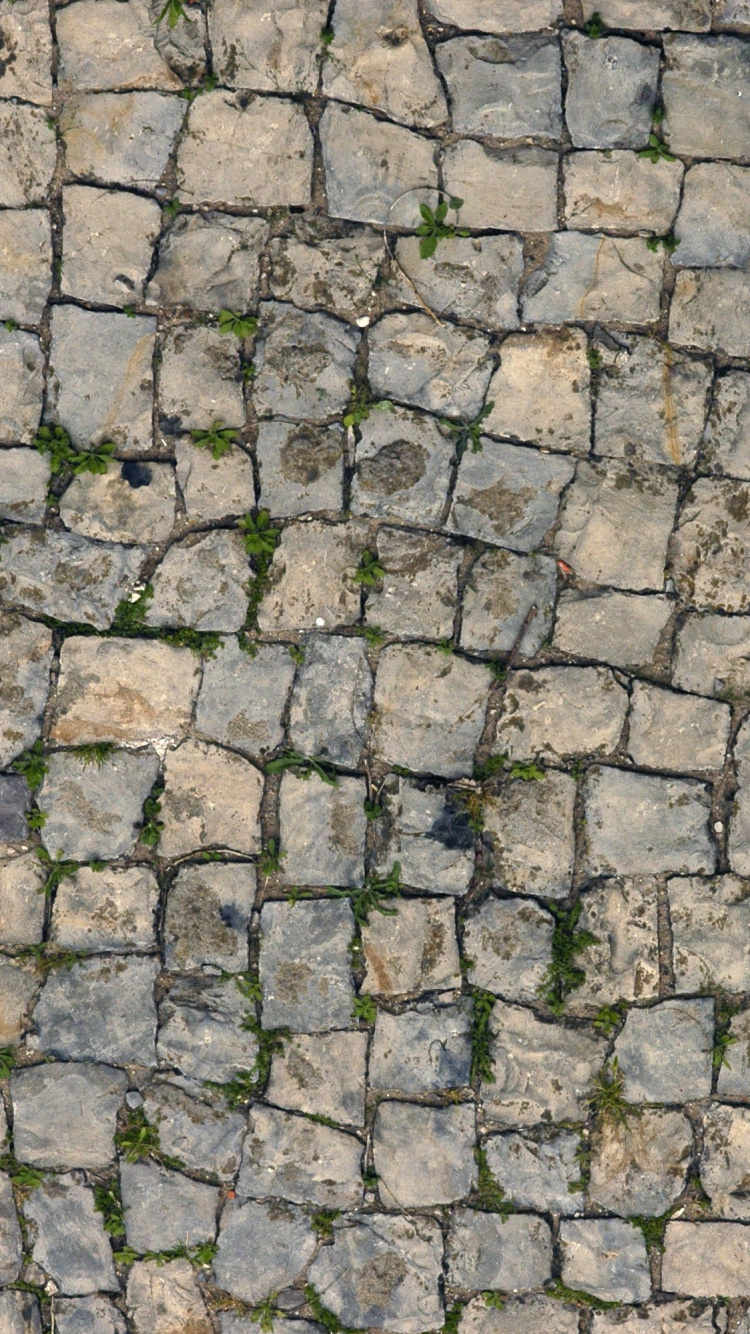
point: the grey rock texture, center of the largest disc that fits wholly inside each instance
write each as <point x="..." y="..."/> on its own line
<point x="486" y="1252"/>
<point x="64" y="1115"/>
<point x="116" y="996"/>
<point x="648" y="1035"/>
<point x="606" y="1257"/>
<point x="304" y="965"/>
<point x="278" y="1236"/>
<point x="401" y="1258"/>
<point x="611" y="89"/>
<point x="295" y="1159"/>
<point x="69" y="1240"/>
<point x="94" y="813"/>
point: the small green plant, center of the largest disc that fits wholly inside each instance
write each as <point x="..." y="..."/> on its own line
<point x="305" y="765"/>
<point x="260" y="537"/>
<point x="95" y="460"/>
<point x="490" y="1195"/>
<point x="446" y="646"/>
<point x="218" y="438"/>
<point x="130" y="612"/>
<point x="264" y="1314"/>
<point x="373" y="634"/>
<point x="204" y="1253"/>
<point x="35" y="818"/>
<point x="32" y="765"/>
<point x="373" y="810"/>
<point x="25" y="1178"/>
<point x="96" y="753"/>
<point x="607" y="1096"/>
<point x="55" y="442"/>
<point x="270" y="859"/>
<point x="563" y="974"/>
<point x="369" y="1179"/>
<point x="471" y="801"/>
<point x="297" y="654"/>
<point x="248" y="985"/>
<point x="107" y="1201"/>
<point x="270" y="1043"/>
<point x="579" y="1298"/>
<point x="369" y="571"/>
<point x="7" y="1061"/>
<point x="490" y="768"/>
<point x="528" y="773"/>
<point x="55" y="868"/>
<point x="326" y="36"/>
<point x="481" y="1059"/>
<point x="138" y="1139"/>
<point x="150" y="831"/>
<point x="364" y="1009"/>
<point x="173" y="11"/>
<point x="203" y="643"/>
<point x="494" y="1300"/>
<point x="322" y="1222"/>
<point x="657" y="150"/>
<point x="609" y="1018"/>
<point x="669" y="242"/>
<point x="10" y="325"/>
<point x="723" y="1039"/>
<point x="452" y="1319"/>
<point x="653" y="1229"/>
<point x="172" y="207"/>
<point x="434" y="228"/>
<point x="468" y="435"/>
<point x="594" y="27"/>
<point x="374" y="895"/>
<point x="362" y="403"/>
<point x="594" y="358"/>
<point x="239" y="325"/>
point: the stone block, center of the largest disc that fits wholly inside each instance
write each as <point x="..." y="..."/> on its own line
<point x="640" y="824"/>
<point x="108" y="241"/>
<point x="402" y="468"/>
<point x="711" y="72"/>
<point x="639" y="1166"/>
<point x="120" y="138"/>
<point x="509" y="943"/>
<point x="561" y="711"/>
<point x="295" y="1159"/>
<point x="305" y="970"/>
<point x="618" y="191"/>
<point x="322" y="1073"/>
<point x="370" y="165"/>
<point x="422" y="1050"/>
<point x="247" y="150"/>
<point x="21" y="383"/>
<point x="487" y="1251"/>
<point x="322" y="831"/>
<point x="270" y="52"/>
<point x="665" y="1053"/>
<point x="622" y="629"/>
<point x="311" y="580"/>
<point x="242" y="697"/>
<point x="606" y="1257"/>
<point x="499" y="594"/>
<point x="710" y="920"/>
<point x="207" y="916"/>
<point x="426" y="830"/>
<point x="331" y="700"/>
<point x="509" y="189"/>
<point x="677" y="732"/>
<point x="123" y="690"/>
<point x="64" y="1115"/>
<point x="651" y="405"/>
<point x="278" y="1236"/>
<point x="442" y="368"/>
<point x="99" y="1010"/>
<point x="711" y="545"/>
<point x="423" y="1155"/>
<point x="623" y="964"/>
<point x="379" y="59"/>
<point x="304" y="363"/>
<point x="301" y="467"/>
<point x="503" y="89"/>
<point x="69" y="1241"/>
<point x="209" y="261"/>
<point x="616" y="280"/>
<point x="111" y="909"/>
<point x="411" y="949"/>
<point x="419" y="590"/>
<point x="101" y="382"/>
<point x="92" y="812"/>
<point x="25" y="660"/>
<point x="429" y="710"/>
<point x="540" y="392"/>
<point x="529" y="832"/>
<point x="509" y="495"/>
<point x="611" y="90"/>
<point x="604" y="506"/>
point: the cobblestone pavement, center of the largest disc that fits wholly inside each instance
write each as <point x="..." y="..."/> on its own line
<point x="375" y="578"/>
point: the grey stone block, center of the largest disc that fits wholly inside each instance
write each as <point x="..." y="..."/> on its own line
<point x="331" y="700"/>
<point x="510" y="189"/>
<point x="709" y="311"/>
<point x="323" y="1073"/>
<point x="623" y="964"/>
<point x="711" y="72"/>
<point x="211" y="798"/>
<point x="279" y="1238"/>
<point x="423" y="1155"/>
<point x="520" y="1315"/>
<point x="710" y="545"/>
<point x="611" y="90"/>
<point x="116" y="49"/>
<point x="486" y="1251"/>
<point x="164" y="1297"/>
<point x="276" y="55"/>
<point x="651" y="404"/>
<point x="27" y="35"/>
<point x="305" y="970"/>
<point x="712" y="654"/>
<point x="108" y="243"/>
<point x="88" y="1315"/>
<point x="674" y="731"/>
<point x="622" y="629"/>
<point x="665" y="1053"/>
<point x="639" y="1166"/>
<point x="712" y="227"/>
<point x="311" y="581"/>
<point x="28" y="156"/>
<point x="99" y="1010"/>
<point x="543" y="1071"/>
<point x="22" y="905"/>
<point x="710" y="920"/>
<point x="120" y="138"/>
<point x="508" y="495"/>
<point x="164" y="1209"/>
<point x="705" y="1258"/>
<point x="402" y="468"/>
<point x="616" y="280"/>
<point x="560" y="711"/>
<point x="442" y="369"/>
<point x="209" y="261"/>
<point x="214" y="488"/>
<point x="22" y="383"/>
<point x="498" y="596"/>
<point x="417" y="688"/>
<point x="370" y="164"/>
<point x="18" y="988"/>
<point x="295" y="1159"/>
<point x="304" y="363"/>
<point x="242" y="697"/>
<point x="111" y="909"/>
<point x="205" y="1136"/>
<point x="11" y="1242"/>
<point x="207" y="916"/>
<point x="301" y="467"/>
<point x="529" y="831"/>
<point x="603" y="507"/>
<point x="69" y="1240"/>
<point x="337" y="274"/>
<point x="540" y="393"/>
<point x="727" y="436"/>
<point x="412" y="951"/>
<point x="19" y="1313"/>
<point x="422" y="1050"/>
<point x="426" y="830"/>
<point x="474" y="279"/>
<point x="65" y="1115"/>
<point x="62" y="575"/>
<point x="101" y="382"/>
<point x="725" y="1160"/>
<point x="537" y="1174"/>
<point x="322" y="831"/>
<point x="379" y="59"/>
<point x="509" y="943"/>
<point x="639" y="824"/>
<point x="241" y="152"/>
<point x="606" y="1257"/>
<point x="503" y="89"/>
<point x="199" y="379"/>
<point x="201" y="1033"/>
<point x="498" y="15"/>
<point x="14" y="800"/>
<point x="133" y="502"/>
<point x="618" y="191"/>
<point x="26" y="274"/>
<point x="739" y="823"/>
<point x="91" y="812"/>
<point x="419" y="590"/>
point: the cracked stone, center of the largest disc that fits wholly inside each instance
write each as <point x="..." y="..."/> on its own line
<point x="26" y="40"/>
<point x="108" y="240"/>
<point x="509" y="943"/>
<point x="101" y="383"/>
<point x="335" y="273"/>
<point x="133" y="503"/>
<point x="28" y="154"/>
<point x="298" y="1160"/>
<point x="214" y="488"/>
<point x="201" y="582"/>
<point x="199" y="380"/>
<point x="21" y="901"/>
<point x="245" y="150"/>
<point x="521" y="1315"/>
<point x="622" y="629"/>
<point x="739" y="829"/>
<point x="529" y="831"/>
<point x="322" y="1073"/>
<point x="413" y="951"/>
<point x="705" y="1258"/>
<point x="21" y="381"/>
<point x="18" y="989"/>
<point x="423" y="1155"/>
<point x="665" y="1053"/>
<point x="205" y="1137"/>
<point x="25" y="661"/>
<point x="540" y="393"/>
<point x="371" y="164"/>
<point x="712" y="655"/>
<point x="710" y="72"/>
<point x="322" y="831"/>
<point x="422" y="1050"/>
<point x="473" y="279"/>
<point x="623" y="964"/>
<point x="617" y="280"/>
<point x="69" y="1238"/>
<point x="67" y="576"/>
<point x="209" y="261"/>
<point x="485" y="1250"/>
<point x="303" y="363"/>
<point x="211" y="799"/>
<point x="331" y="699"/>
<point x="509" y="495"/>
<point x="426" y="830"/>
<point x="727" y="436"/>
<point x="124" y="690"/>
<point x="106" y="45"/>
<point x="242" y="698"/>
<point x="603" y="508"/>
<point x="711" y="545"/>
<point x="402" y="467"/>
<point x="121" y="138"/>
<point x="164" y="1209"/>
<point x="419" y="594"/>
<point x="710" y="921"/>
<point x="305" y="970"/>
<point x="442" y="370"/>
<point x="65" y="1115"/>
<point x="498" y="596"/>
<point x="617" y="191"/>
<point x="14" y="801"/>
<point x="278" y="1236"/>
<point x="99" y="1010"/>
<point x="379" y="59"/>
<point x="165" y="1298"/>
<point x="429" y="710"/>
<point x="611" y="90"/>
<point x="606" y="1257"/>
<point x="200" y="1031"/>
<point x="561" y="711"/>
<point x="672" y="731"/>
<point x="709" y="310"/>
<point x="651" y="405"/>
<point x="11" y="1242"/>
<point x="537" y="1175"/>
<point x="268" y="51"/>
<point x="543" y="1071"/>
<point x="712" y="228"/>
<point x="639" y="1167"/>
<point x="92" y="812"/>
<point x="88" y="1315"/>
<point x="640" y="824"/>
<point x="301" y="467"/>
<point x="207" y="916"/>
<point x="311" y="579"/>
<point x="512" y="189"/>
<point x="725" y="1160"/>
<point x="25" y="264"/>
<point x="503" y="89"/>
<point x="112" y="909"/>
<point x="498" y="15"/>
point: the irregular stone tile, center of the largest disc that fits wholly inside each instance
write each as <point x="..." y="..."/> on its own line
<point x="104" y="45"/>
<point x="123" y="690"/>
<point x="273" y="52"/>
<point x="595" y="278"/>
<point x="66" y="576"/>
<point x="211" y="799"/>
<point x="733" y="12"/>
<point x="201" y="1034"/>
<point x="529" y="833"/>
<point x="739" y="826"/>
<point x="331" y="699"/>
<point x="108" y="240"/>
<point x="322" y="831"/>
<point x="14" y="800"/>
<point x="379" y="59"/>
<point x="672" y="731"/>
<point x="164" y="1298"/>
<point x="509" y="495"/>
<point x="99" y="1010"/>
<point x="606" y="1257"/>
<point x="207" y="1138"/>
<point x="497" y="15"/>
<point x="214" y="488"/>
<point x="25" y="661"/>
<point x="611" y="90"/>
<point x="503" y="89"/>
<point x="311" y="579"/>
<point x="69" y="1240"/>
<point x="473" y="279"/>
<point x="639" y="1167"/>
<point x="322" y="1073"/>
<point x="712" y="655"/>
<point x="199" y="380"/>
<point x="705" y="1258"/>
<point x="279" y="1238"/>
<point x="422" y="1050"/>
<point x="25" y="264"/>
<point x="242" y="697"/>
<point x="88" y="1315"/>
<point x="304" y="363"/>
<point x="665" y="1053"/>
<point x="414" y="950"/>
<point x="651" y="404"/>
<point x="498" y="596"/>
<point x="509" y="943"/>
<point x="709" y="311"/>
<point x="92" y="812"/>
<point x="305" y="970"/>
<point x="419" y="594"/>
<point x="712" y="227"/>
<point x="617" y="191"/>
<point x="623" y="964"/>
<point x="21" y="380"/>
<point x="543" y="1071"/>
<point x="245" y="151"/>
<point x="426" y="830"/>
<point x="442" y="370"/>
<point x="101" y="383"/>
<point x="21" y="901"/>
<point x="19" y="1314"/>
<point x="710" y="928"/>
<point x="725" y="1160"/>
<point x="710" y="72"/>
<point x="639" y="824"/>
<point x="18" y="989"/>
<point x="334" y="273"/>
<point x="691" y="15"/>
<point x="11" y="1242"/>
<point x="512" y="189"/>
<point x="298" y="1160"/>
<point x="207" y="916"/>
<point x="540" y="392"/>
<point x="301" y="467"/>
<point x="369" y="164"/>
<point x="604" y="507"/>
<point x="520" y="1315"/>
<point x="622" y="629"/>
<point x="27" y="40"/>
<point x="727" y="436"/>
<point x="209" y="261"/>
<point x="28" y="154"/>
<point x="561" y="711"/>
<point x="402" y="470"/>
<point x="423" y="1155"/>
<point x="537" y="1175"/>
<point x="401" y="1260"/>
<point x="65" y="1115"/>
<point x="202" y="582"/>
<point x="164" y="1209"/>
<point x="429" y="710"/>
<point x="112" y="909"/>
<point x="237" y="1324"/>
<point x="711" y="544"/>
<point x="120" y="138"/>
<point x="134" y="502"/>
<point x="485" y="1250"/>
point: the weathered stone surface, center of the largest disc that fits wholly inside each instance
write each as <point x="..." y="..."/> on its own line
<point x="604" y="506"/>
<point x="27" y="40"/>
<point x="67" y="576"/>
<point x="304" y="363"/>
<point x="672" y="731"/>
<point x="19" y="1314"/>
<point x="279" y="1238"/>
<point x="712" y="70"/>
<point x="402" y="467"/>
<point x="497" y="15"/>
<point x="712" y="227"/>
<point x="666" y="1318"/>
<point x="369" y="164"/>
<point x="25" y="264"/>
<point x="710" y="931"/>
<point x="211" y="798"/>
<point x="69" y="1238"/>
<point x="611" y="90"/>
<point x="11" y="1242"/>
<point x="429" y="710"/>
<point x="727" y="436"/>
<point x="28" y="154"/>
<point x="164" y="1209"/>
<point x="214" y="488"/>
<point x="92" y="812"/>
<point x="106" y="45"/>
<point x="665" y="1052"/>
<point x="21" y="382"/>
<point x="509" y="943"/>
<point x="498" y="596"/>
<point x="712" y="655"/>
<point x="505" y="90"/>
<point x="422" y="1155"/>
<point x="711" y="545"/>
<point x="88" y="1315"/>
<point x="419" y="591"/>
<point x="108" y="241"/>
<point x="444" y="369"/>
<point x="101" y="383"/>
<point x="335" y="273"/>
<point x="709" y="311"/>
<point x="739" y="828"/>
<point x="207" y="915"/>
<point x="120" y="138"/>
<point x="311" y="579"/>
<point x="18" y="988"/>
<point x="245" y="151"/>
<point x="622" y="629"/>
<point x="617" y="191"/>
<point x="540" y="392"/>
<point x="323" y="1073"/>
<point x="301" y="467"/>
<point x="199" y="380"/>
<point x="414" y="950"/>
<point x="651" y="404"/>
<point x="267" y="51"/>
<point x="509" y="495"/>
<point x="65" y="1115"/>
<point x="295" y="1159"/>
<point x="123" y="690"/>
<point x="382" y="1271"/>
<point x="202" y="582"/>
<point x="379" y="59"/>
<point x="25" y="660"/>
<point x="426" y="830"/>
<point x="617" y="280"/>
<point x="422" y="1050"/>
<point x="486" y="1251"/>
<point x="322" y="831"/>
<point x="209" y="261"/>
<point x="99" y="1010"/>
<point x="305" y="971"/>
<point x="200" y="1031"/>
<point x="606" y="1257"/>
<point x="135" y="502"/>
<point x="163" y="1299"/>
<point x="242" y="697"/>
<point x="725" y="1160"/>
<point x="561" y="711"/>
<point x="14" y="800"/>
<point x="474" y="279"/>
<point x="529" y="830"/>
<point x="639" y="824"/>
<point x="331" y="700"/>
<point x="513" y="189"/>
<point x="520" y="1315"/>
<point x="21" y="902"/>
<point x="542" y="1071"/>
<point x="207" y="1138"/>
<point x="537" y="1174"/>
<point x="690" y="15"/>
<point x="111" y="909"/>
<point x="623" y="964"/>
<point x="705" y="1259"/>
<point x="639" y="1167"/>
